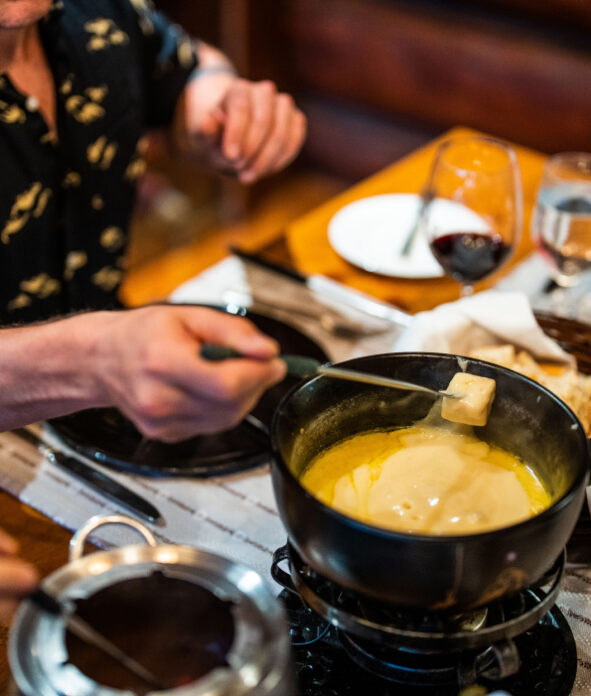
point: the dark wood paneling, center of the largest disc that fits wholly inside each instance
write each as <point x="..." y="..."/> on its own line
<point x="424" y="66"/>
<point x="379" y="77"/>
<point x="354" y="143"/>
<point x="566" y="12"/>
<point x="200" y="19"/>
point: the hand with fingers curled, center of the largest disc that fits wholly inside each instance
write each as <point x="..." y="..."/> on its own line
<point x="17" y="577"/>
<point x="237" y="126"/>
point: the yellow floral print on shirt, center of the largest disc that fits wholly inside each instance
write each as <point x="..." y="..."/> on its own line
<point x="184" y="52"/>
<point x="74" y="261"/>
<point x="143" y="9"/>
<point x="48" y="138"/>
<point x="97" y="94"/>
<point x="112" y="238"/>
<point x="11" y="113"/>
<point x="71" y="179"/>
<point x="101" y="152"/>
<point x="31" y="202"/>
<point x="86" y="107"/>
<point x="104" y="33"/>
<point x="41" y="285"/>
<point x="97" y="202"/>
<point x="107" y="278"/>
<point x="66" y="86"/>
<point x="42" y="202"/>
<point x="142" y="5"/>
<point x="136" y="168"/>
<point x="20" y="301"/>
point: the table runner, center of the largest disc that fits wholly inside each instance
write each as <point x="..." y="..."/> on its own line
<point x="234" y="516"/>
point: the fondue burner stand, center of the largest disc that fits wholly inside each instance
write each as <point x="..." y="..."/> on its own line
<point x="345" y="644"/>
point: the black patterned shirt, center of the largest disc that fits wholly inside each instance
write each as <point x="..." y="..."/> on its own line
<point x="65" y="204"/>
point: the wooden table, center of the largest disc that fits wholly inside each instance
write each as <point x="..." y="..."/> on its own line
<point x="305" y="244"/>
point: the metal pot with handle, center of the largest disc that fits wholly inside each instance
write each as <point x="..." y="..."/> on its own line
<point x="205" y="624"/>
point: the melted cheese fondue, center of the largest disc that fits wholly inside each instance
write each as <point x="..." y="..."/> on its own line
<point x="426" y="479"/>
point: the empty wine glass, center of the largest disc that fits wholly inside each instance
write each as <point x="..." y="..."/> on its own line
<point x="561" y="223"/>
<point x="472" y="204"/>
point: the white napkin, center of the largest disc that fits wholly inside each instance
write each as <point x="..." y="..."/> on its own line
<point x="491" y="317"/>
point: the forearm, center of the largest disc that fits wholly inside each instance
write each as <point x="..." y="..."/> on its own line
<point x="48" y="370"/>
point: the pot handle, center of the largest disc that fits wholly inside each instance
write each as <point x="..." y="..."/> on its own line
<point x="278" y="574"/>
<point x="79" y="539"/>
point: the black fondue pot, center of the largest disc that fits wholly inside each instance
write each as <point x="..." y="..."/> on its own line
<point x="200" y="623"/>
<point x="454" y="573"/>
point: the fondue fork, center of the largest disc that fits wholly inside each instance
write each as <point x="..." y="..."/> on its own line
<point x="82" y="630"/>
<point x="305" y="368"/>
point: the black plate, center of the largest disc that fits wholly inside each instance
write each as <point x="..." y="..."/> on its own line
<point x="109" y="438"/>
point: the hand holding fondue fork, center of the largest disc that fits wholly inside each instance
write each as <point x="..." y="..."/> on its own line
<point x="144" y="362"/>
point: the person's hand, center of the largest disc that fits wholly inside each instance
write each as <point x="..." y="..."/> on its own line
<point x="236" y="126"/>
<point x="147" y="364"/>
<point x="17" y="578"/>
<point x="255" y="131"/>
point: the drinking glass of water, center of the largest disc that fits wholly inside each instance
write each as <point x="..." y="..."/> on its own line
<point x="561" y="223"/>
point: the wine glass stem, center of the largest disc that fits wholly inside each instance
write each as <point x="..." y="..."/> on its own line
<point x="467" y="290"/>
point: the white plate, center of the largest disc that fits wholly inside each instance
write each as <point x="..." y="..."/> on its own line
<point x="370" y="233"/>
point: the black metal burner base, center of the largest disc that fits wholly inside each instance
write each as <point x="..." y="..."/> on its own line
<point x="347" y="644"/>
<point x="323" y="667"/>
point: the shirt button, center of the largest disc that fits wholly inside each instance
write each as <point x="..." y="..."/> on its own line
<point x="32" y="103"/>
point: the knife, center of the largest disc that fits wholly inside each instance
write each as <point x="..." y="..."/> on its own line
<point x="325" y="286"/>
<point x="103" y="484"/>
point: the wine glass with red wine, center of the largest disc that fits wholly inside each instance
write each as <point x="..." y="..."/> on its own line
<point x="471" y="211"/>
